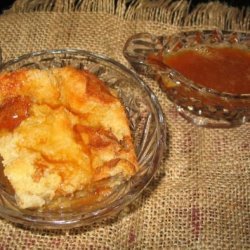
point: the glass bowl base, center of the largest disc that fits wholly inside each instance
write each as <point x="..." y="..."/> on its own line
<point x="202" y="121"/>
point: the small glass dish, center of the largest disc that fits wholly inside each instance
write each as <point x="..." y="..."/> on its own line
<point x="147" y="126"/>
<point x="201" y="105"/>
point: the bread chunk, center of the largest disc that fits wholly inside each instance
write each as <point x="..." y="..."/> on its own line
<point x="61" y="130"/>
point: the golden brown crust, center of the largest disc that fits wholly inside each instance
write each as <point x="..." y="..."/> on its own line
<point x="75" y="133"/>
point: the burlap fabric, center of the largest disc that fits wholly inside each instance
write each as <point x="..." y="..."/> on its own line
<point x="199" y="198"/>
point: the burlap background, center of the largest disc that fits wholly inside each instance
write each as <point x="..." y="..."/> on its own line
<point x="200" y="197"/>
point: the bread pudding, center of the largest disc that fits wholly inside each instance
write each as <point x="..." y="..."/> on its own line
<point x="61" y="131"/>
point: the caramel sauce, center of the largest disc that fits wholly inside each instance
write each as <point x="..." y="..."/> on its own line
<point x="11" y="83"/>
<point x="89" y="198"/>
<point x="97" y="137"/>
<point x="13" y="111"/>
<point x="97" y="89"/>
<point x="223" y="69"/>
<point x="43" y="163"/>
<point x="41" y="167"/>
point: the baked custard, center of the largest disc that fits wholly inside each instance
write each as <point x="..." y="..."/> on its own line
<point x="62" y="131"/>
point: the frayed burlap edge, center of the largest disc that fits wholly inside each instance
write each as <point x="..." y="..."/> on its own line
<point x="179" y="13"/>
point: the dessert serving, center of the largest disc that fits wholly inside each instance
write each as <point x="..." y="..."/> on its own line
<point x="80" y="137"/>
<point x="206" y="74"/>
<point x="61" y="130"/>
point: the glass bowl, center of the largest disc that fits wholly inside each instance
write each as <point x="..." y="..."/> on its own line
<point x="147" y="126"/>
<point x="198" y="104"/>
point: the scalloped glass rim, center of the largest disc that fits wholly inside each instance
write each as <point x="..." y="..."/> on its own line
<point x="54" y="220"/>
<point x="179" y="76"/>
<point x="138" y="47"/>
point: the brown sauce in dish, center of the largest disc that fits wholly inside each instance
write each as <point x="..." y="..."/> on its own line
<point x="220" y="68"/>
<point x="13" y="111"/>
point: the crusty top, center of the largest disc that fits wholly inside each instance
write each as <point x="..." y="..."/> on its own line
<point x="61" y="130"/>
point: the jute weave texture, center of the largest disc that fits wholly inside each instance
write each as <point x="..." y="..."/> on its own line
<point x="199" y="198"/>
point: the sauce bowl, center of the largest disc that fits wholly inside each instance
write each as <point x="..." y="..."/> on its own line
<point x="200" y="105"/>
